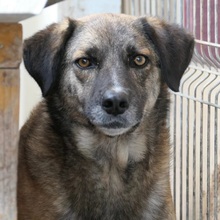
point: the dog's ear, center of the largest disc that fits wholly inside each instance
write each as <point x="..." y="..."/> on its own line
<point x="44" y="51"/>
<point x="174" y="47"/>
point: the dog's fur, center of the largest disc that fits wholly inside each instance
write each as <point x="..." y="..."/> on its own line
<point x="78" y="161"/>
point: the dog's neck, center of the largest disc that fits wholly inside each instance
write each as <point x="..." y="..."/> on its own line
<point x="120" y="149"/>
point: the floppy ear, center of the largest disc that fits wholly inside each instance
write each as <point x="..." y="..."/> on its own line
<point x="174" y="47"/>
<point x="44" y="51"/>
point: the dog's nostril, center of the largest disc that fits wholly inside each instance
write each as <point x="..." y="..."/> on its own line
<point x="123" y="104"/>
<point x="107" y="103"/>
<point x="115" y="103"/>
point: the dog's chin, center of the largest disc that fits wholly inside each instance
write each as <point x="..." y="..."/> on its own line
<point x="113" y="131"/>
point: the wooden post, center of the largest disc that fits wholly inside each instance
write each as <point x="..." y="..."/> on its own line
<point x="10" y="58"/>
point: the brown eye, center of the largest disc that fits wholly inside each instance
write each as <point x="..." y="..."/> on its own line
<point x="140" y="60"/>
<point x="83" y="63"/>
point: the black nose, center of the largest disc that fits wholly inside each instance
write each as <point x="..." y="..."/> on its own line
<point x="115" y="102"/>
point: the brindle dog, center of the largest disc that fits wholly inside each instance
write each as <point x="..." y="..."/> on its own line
<point x="97" y="146"/>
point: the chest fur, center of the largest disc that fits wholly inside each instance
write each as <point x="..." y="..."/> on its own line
<point x="118" y="150"/>
<point x="109" y="178"/>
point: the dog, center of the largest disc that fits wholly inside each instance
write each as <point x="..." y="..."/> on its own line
<point x="97" y="146"/>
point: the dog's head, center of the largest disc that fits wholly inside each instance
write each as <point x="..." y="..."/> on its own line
<point x="109" y="68"/>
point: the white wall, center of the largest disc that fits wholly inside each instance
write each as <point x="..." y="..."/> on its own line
<point x="30" y="93"/>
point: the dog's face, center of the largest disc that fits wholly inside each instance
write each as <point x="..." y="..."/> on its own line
<point x="110" y="66"/>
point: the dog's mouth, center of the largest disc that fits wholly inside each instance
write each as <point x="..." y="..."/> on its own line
<point x="113" y="131"/>
<point x="111" y="128"/>
<point x="115" y="128"/>
<point x="114" y="125"/>
<point x="118" y="131"/>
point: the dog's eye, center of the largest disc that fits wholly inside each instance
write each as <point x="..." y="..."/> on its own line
<point x="83" y="63"/>
<point x="139" y="61"/>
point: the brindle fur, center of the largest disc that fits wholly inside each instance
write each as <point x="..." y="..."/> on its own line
<point x="70" y="167"/>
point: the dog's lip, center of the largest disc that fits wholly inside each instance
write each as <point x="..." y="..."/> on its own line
<point x="113" y="131"/>
<point x="112" y="128"/>
<point x="118" y="131"/>
<point x="114" y="125"/>
<point x="115" y="128"/>
<point x="111" y="123"/>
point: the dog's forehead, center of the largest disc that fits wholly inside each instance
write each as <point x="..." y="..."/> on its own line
<point x="108" y="30"/>
<point x="107" y="18"/>
<point x="105" y="26"/>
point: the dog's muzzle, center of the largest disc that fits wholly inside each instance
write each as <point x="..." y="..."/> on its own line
<point x="114" y="114"/>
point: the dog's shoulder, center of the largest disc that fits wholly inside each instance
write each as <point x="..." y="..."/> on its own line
<point x="39" y="118"/>
<point x="38" y="132"/>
